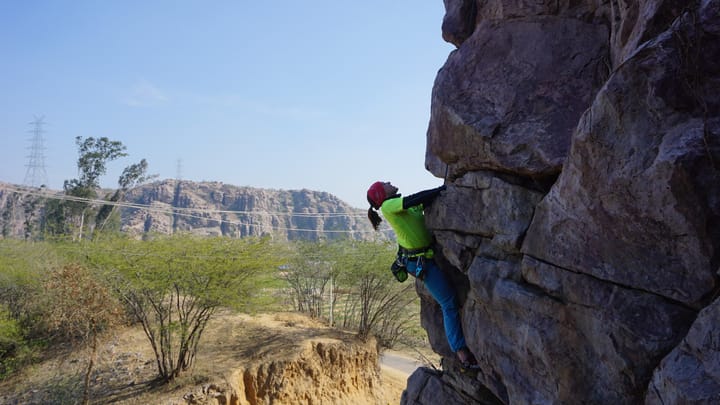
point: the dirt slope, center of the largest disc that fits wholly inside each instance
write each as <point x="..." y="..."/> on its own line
<point x="278" y="359"/>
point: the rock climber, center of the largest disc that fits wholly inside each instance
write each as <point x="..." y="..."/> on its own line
<point x="415" y="254"/>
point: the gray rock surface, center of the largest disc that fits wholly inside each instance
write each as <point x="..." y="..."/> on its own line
<point x="690" y="374"/>
<point x="581" y="223"/>
<point x="509" y="97"/>
<point x="211" y="208"/>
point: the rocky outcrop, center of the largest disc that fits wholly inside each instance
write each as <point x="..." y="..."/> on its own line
<point x="205" y="208"/>
<point x="212" y="208"/>
<point x="581" y="224"/>
<point x="20" y="213"/>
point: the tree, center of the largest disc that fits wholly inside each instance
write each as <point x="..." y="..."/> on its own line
<point x="132" y="176"/>
<point x="30" y="206"/>
<point x="174" y="285"/>
<point x="308" y="270"/>
<point x="67" y="217"/>
<point x="94" y="155"/>
<point x="379" y="304"/>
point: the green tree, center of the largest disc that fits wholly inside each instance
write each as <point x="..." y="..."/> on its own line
<point x="132" y="176"/>
<point x="309" y="268"/>
<point x="54" y="221"/>
<point x="23" y="267"/>
<point x="7" y="215"/>
<point x="75" y="216"/>
<point x="174" y="285"/>
<point x="30" y="206"/>
<point x="94" y="154"/>
<point x="379" y="305"/>
<point x="68" y="217"/>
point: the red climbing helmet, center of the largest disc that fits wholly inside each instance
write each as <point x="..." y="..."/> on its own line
<point x="376" y="194"/>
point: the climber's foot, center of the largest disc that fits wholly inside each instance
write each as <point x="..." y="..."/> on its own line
<point x="467" y="359"/>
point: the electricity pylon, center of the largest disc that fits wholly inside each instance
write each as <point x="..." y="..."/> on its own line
<point x="36" y="175"/>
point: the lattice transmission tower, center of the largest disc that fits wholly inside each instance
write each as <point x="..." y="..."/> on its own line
<point x="36" y="175"/>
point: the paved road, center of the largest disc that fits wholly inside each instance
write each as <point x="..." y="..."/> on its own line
<point x="399" y="362"/>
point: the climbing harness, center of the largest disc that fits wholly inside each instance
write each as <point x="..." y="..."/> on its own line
<point x="413" y="253"/>
<point x="404" y="256"/>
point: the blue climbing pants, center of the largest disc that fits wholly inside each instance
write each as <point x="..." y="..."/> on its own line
<point x="443" y="292"/>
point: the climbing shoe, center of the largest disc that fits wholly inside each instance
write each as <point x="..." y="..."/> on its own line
<point x="467" y="359"/>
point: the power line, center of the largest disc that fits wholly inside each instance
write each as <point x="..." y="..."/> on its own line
<point x="76" y="248"/>
<point x="36" y="175"/>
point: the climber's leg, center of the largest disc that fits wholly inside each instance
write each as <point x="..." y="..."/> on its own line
<point x="444" y="294"/>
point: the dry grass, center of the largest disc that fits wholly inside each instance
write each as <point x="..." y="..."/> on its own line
<point x="126" y="369"/>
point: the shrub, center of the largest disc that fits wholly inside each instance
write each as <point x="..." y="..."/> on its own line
<point x="174" y="285"/>
<point x="382" y="305"/>
<point x="372" y="301"/>
<point x="23" y="267"/>
<point x="80" y="308"/>
<point x="13" y="347"/>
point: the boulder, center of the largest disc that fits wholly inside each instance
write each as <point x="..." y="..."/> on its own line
<point x="690" y="374"/>
<point x="509" y="97"/>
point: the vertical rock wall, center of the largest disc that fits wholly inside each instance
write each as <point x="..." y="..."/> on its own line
<point x="581" y="224"/>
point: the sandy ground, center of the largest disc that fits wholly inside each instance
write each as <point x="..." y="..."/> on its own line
<point x="126" y="366"/>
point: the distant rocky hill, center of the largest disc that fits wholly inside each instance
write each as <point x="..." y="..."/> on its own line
<point x="211" y="208"/>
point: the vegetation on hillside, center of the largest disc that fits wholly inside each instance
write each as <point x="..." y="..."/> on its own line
<point x="76" y="277"/>
<point x="172" y="286"/>
<point x="74" y="216"/>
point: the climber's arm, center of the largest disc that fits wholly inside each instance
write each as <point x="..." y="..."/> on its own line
<point x="424" y="197"/>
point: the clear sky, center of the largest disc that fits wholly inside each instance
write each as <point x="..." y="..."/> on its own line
<point x="323" y="95"/>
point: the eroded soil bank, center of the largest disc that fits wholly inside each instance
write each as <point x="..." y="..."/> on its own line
<point x="270" y="358"/>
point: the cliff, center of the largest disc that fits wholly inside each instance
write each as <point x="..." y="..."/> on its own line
<point x="581" y="142"/>
<point x="212" y="208"/>
<point x="204" y="208"/>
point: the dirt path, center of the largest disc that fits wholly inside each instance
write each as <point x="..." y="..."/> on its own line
<point x="400" y="362"/>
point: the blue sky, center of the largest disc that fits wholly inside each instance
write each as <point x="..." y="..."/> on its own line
<point x="323" y="95"/>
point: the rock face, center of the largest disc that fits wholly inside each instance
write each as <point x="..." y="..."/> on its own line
<point x="207" y="208"/>
<point x="581" y="224"/>
<point x="212" y="208"/>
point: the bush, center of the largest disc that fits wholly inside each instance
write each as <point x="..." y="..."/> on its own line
<point x="13" y="348"/>
<point x="174" y="285"/>
<point x="23" y="267"/>
<point x="80" y="308"/>
<point x="382" y="305"/>
<point x="369" y="298"/>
